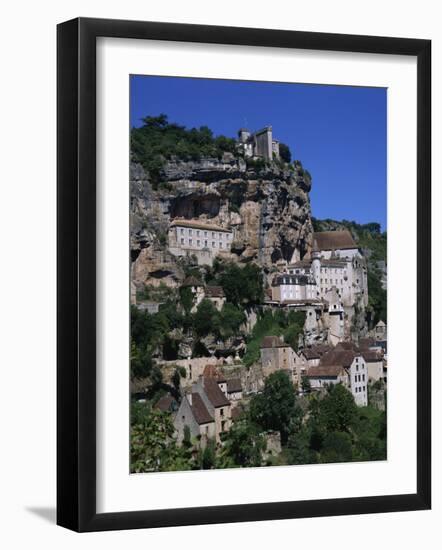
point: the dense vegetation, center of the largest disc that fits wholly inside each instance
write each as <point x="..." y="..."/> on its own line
<point x="152" y="333"/>
<point x="314" y="429"/>
<point x="158" y="140"/>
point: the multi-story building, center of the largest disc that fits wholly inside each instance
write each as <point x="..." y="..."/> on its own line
<point x="278" y="355"/>
<point x="203" y="239"/>
<point x="346" y="366"/>
<point x="335" y="262"/>
<point x="205" y="410"/>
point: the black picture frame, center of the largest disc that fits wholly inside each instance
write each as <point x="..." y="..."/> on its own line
<point x="76" y="274"/>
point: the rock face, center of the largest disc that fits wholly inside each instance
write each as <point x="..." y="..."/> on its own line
<point x="267" y="206"/>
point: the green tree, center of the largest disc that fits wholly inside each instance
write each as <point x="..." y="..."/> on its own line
<point x="231" y="318"/>
<point x="206" y="319"/>
<point x="275" y="408"/>
<point x="337" y="447"/>
<point x="285" y="153"/>
<point x="206" y="459"/>
<point x="243" y="446"/>
<point x="337" y="409"/>
<point x="152" y="447"/>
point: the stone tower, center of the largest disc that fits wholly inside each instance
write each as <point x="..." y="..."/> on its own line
<point x="316" y="265"/>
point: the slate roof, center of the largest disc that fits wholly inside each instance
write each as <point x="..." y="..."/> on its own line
<point x="336" y="357"/>
<point x="315" y="352"/>
<point x="347" y="346"/>
<point x="214" y="292"/>
<point x="234" y="385"/>
<point x="197" y="224"/>
<point x="371" y="356"/>
<point x="199" y="410"/>
<point x="214" y="394"/>
<point x="329" y="240"/>
<point x="365" y="343"/>
<point x="192" y="281"/>
<point x="166" y="403"/>
<point x="332" y="371"/>
<point x="272" y="342"/>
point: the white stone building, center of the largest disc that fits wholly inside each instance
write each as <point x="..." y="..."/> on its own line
<point x="342" y="365"/>
<point x="288" y="287"/>
<point x="335" y="262"/>
<point x="203" y="239"/>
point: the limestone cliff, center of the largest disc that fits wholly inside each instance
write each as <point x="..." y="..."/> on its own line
<point x="266" y="203"/>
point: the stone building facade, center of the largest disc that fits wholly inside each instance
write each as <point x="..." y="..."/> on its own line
<point x="258" y="144"/>
<point x="202" y="239"/>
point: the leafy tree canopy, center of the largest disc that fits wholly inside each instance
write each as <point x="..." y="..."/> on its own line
<point x="275" y="408"/>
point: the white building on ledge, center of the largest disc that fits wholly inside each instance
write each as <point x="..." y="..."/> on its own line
<point x="335" y="262"/>
<point x="203" y="239"/>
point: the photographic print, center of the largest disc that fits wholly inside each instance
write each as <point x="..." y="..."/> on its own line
<point x="258" y="274"/>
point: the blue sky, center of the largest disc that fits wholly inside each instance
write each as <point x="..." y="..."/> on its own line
<point x="337" y="132"/>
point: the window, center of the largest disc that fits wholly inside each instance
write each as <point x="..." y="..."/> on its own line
<point x="213" y="244"/>
<point x="221" y="412"/>
<point x="190" y="232"/>
<point x="182" y="241"/>
<point x="205" y="233"/>
<point x="363" y="378"/>
<point x="198" y="242"/>
<point x="213" y="234"/>
<point x="205" y="243"/>
<point x="182" y="231"/>
<point x="220" y="245"/>
<point x="190" y="241"/>
<point x="356" y="377"/>
<point x="198" y="233"/>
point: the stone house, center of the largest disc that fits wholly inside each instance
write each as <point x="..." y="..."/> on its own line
<point x="312" y="355"/>
<point x="206" y="410"/>
<point x="287" y="288"/>
<point x="215" y="294"/>
<point x="321" y="376"/>
<point x="375" y="365"/>
<point x="278" y="355"/>
<point x="355" y="368"/>
<point x="193" y="413"/>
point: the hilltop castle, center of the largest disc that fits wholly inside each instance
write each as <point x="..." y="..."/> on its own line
<point x="258" y="144"/>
